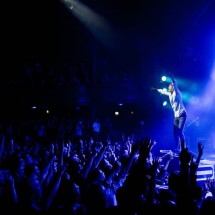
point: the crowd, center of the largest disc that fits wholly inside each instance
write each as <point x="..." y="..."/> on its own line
<point x="55" y="165"/>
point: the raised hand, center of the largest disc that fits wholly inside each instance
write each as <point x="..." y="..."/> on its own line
<point x="146" y="145"/>
<point x="200" y="148"/>
<point x="210" y="185"/>
<point x="193" y="166"/>
<point x="185" y="155"/>
<point x="155" y="165"/>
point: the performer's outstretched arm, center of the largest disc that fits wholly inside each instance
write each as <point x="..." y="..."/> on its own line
<point x="160" y="91"/>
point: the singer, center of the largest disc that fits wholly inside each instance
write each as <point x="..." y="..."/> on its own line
<point x="180" y="114"/>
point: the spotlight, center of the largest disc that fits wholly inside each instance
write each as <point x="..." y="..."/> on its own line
<point x="163" y="78"/>
<point x="116" y="113"/>
<point x="165" y="103"/>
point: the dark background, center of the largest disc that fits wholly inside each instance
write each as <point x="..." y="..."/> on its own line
<point x="148" y="39"/>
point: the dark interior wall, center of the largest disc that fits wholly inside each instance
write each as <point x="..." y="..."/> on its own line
<point x="156" y="35"/>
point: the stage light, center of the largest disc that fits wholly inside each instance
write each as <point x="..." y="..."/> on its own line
<point x="163" y="78"/>
<point x="116" y="113"/>
<point x="101" y="28"/>
<point x="165" y="103"/>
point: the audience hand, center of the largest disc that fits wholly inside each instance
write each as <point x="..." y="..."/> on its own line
<point x="200" y="148"/>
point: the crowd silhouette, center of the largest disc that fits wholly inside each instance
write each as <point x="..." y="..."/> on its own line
<point x="70" y="165"/>
<point x="48" y="165"/>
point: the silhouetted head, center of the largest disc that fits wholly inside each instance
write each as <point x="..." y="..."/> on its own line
<point x="171" y="88"/>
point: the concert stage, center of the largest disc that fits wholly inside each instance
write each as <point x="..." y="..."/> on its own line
<point x="205" y="169"/>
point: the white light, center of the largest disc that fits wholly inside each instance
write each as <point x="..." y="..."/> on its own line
<point x="164" y="103"/>
<point x="116" y="113"/>
<point x="163" y="78"/>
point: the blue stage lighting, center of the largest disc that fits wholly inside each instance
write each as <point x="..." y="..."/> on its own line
<point x="163" y="78"/>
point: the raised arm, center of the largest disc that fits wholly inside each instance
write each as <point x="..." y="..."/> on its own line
<point x="200" y="150"/>
<point x="172" y="77"/>
<point x="174" y="83"/>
